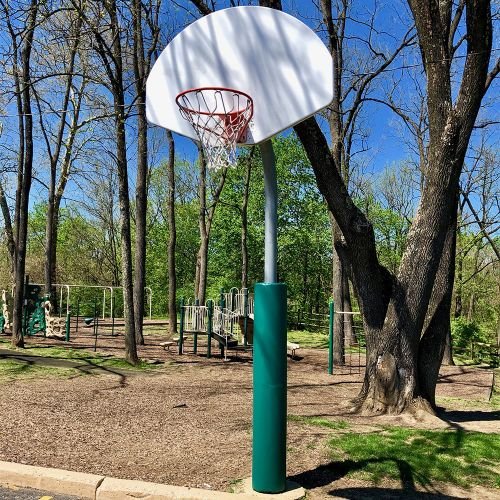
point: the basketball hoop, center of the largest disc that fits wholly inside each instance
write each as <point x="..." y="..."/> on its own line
<point x="220" y="117"/>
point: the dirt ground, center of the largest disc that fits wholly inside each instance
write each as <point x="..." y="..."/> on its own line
<point x="189" y="422"/>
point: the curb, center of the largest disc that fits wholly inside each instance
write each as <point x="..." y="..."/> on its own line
<point x="56" y="480"/>
<point x="95" y="487"/>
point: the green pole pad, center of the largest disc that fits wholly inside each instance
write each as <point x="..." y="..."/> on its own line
<point x="269" y="389"/>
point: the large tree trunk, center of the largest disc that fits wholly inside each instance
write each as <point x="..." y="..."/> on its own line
<point x="392" y="375"/>
<point x="338" y="299"/>
<point x="9" y="233"/>
<point x="349" y="333"/>
<point x="206" y="216"/>
<point x="244" y="223"/>
<point x="392" y="378"/>
<point x="141" y="188"/>
<point x="201" y="271"/>
<point x="437" y="324"/>
<point x="26" y="176"/>
<point x="172" y="237"/>
<point x="123" y="190"/>
<point x="55" y="193"/>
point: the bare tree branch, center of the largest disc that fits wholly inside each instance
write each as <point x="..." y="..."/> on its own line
<point x="481" y="225"/>
<point x="491" y="75"/>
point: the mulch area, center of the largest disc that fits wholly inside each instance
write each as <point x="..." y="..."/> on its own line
<point x="465" y="382"/>
<point x="189" y="422"/>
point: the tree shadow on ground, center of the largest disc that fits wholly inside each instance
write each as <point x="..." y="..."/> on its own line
<point x="325" y="475"/>
<point x="387" y="493"/>
<point x="453" y="416"/>
<point x="82" y="365"/>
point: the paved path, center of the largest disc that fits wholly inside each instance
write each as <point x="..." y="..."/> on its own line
<point x="29" y="494"/>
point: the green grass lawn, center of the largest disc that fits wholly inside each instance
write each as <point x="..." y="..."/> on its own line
<point x="319" y="422"/>
<point x="14" y="370"/>
<point x="11" y="368"/>
<point x="419" y="456"/>
<point x="317" y="340"/>
<point x="308" y="339"/>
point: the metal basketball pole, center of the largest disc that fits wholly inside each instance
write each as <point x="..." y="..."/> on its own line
<point x="270" y="213"/>
<point x="269" y="361"/>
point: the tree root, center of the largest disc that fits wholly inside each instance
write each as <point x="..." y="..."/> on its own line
<point x="417" y="408"/>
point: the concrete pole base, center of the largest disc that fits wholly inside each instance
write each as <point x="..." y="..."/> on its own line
<point x="293" y="491"/>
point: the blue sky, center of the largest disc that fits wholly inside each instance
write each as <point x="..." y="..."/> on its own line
<point x="385" y="145"/>
<point x="383" y="135"/>
<point x="384" y="142"/>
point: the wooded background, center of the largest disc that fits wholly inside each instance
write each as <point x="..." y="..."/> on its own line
<point x="90" y="194"/>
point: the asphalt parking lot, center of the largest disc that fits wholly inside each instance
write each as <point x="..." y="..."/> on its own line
<point x="29" y="494"/>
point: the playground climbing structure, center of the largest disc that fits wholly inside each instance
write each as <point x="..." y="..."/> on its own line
<point x="5" y="316"/>
<point x="229" y="323"/>
<point x="38" y="317"/>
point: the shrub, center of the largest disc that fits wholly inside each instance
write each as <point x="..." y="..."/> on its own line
<point x="463" y="333"/>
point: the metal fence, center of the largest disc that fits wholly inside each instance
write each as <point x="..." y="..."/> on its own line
<point x="305" y="320"/>
<point x="478" y="353"/>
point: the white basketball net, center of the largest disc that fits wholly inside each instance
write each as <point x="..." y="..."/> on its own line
<point x="220" y="118"/>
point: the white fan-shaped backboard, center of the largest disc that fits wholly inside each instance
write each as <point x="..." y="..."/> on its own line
<point x="275" y="58"/>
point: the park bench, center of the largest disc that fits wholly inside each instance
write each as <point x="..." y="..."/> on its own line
<point x="291" y="348"/>
<point x="169" y="343"/>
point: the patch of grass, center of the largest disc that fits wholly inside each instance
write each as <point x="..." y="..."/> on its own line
<point x="463" y="360"/>
<point x="495" y="395"/>
<point x="464" y="404"/>
<point x="308" y="339"/>
<point x="98" y="359"/>
<point x="475" y="404"/>
<point x="13" y="369"/>
<point x="60" y="352"/>
<point x="495" y="400"/>
<point x="125" y="365"/>
<point x="319" y="422"/>
<point x="420" y="456"/>
<point x="155" y="330"/>
<point x="235" y="485"/>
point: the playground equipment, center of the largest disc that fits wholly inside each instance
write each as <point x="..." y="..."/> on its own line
<point x="242" y="303"/>
<point x="225" y="322"/>
<point x="38" y="318"/>
<point x="56" y="327"/>
<point x="69" y="300"/>
<point x="279" y="72"/>
<point x="355" y="351"/>
<point x="230" y="323"/>
<point x="108" y="297"/>
<point x="5" y="316"/>
<point x="33" y="310"/>
<point x="89" y="312"/>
